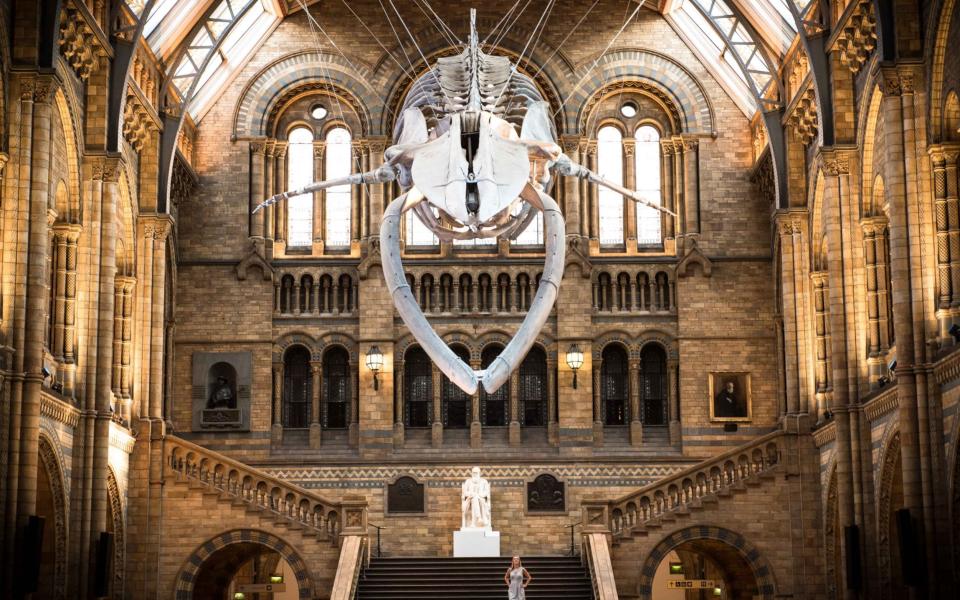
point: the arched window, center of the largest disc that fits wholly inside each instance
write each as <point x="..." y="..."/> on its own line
<point x="533" y="389"/>
<point x="647" y="157"/>
<point x="297" y="388"/>
<point x="299" y="174"/>
<point x="533" y="234"/>
<point x="417" y="232"/>
<point x="494" y="408"/>
<point x="610" y="165"/>
<point x="613" y="385"/>
<point x="417" y="388"/>
<point x="336" y="388"/>
<point x="456" y="402"/>
<point x="653" y="385"/>
<point x="339" y="155"/>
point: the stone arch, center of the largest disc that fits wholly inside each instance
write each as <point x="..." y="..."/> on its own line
<point x="951" y="117"/>
<point x="750" y="554"/>
<point x="868" y="127"/>
<point x="650" y="72"/>
<point x="52" y="463"/>
<point x="337" y="340"/>
<point x="191" y="567"/>
<point x="295" y="73"/>
<point x="295" y="338"/>
<point x="64" y="106"/>
<point x="117" y="512"/>
<point x="890" y="466"/>
<point x="940" y="30"/>
<point x="660" y="338"/>
<point x="614" y="337"/>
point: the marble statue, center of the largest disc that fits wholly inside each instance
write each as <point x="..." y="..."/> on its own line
<point x="475" y="502"/>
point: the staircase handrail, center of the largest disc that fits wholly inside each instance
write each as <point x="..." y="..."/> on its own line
<point x="680" y="489"/>
<point x="596" y="556"/>
<point x="252" y="486"/>
<point x="354" y="556"/>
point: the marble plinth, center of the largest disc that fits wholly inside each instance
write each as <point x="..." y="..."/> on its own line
<point x="476" y="542"/>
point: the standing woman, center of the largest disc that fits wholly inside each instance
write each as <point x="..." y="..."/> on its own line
<point x="518" y="579"/>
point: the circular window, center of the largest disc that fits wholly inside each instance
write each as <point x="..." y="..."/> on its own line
<point x="629" y="110"/>
<point x="318" y="112"/>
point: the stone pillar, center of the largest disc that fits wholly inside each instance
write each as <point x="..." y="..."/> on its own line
<point x="276" y="430"/>
<point x="630" y="182"/>
<point x="670" y="186"/>
<point x="514" y="431"/>
<point x="553" y="427"/>
<point x="476" y="430"/>
<point x="64" y="315"/>
<point x="269" y="190"/>
<point x="316" y="431"/>
<point x="592" y="197"/>
<point x="36" y="299"/>
<point x="571" y="200"/>
<point x="122" y="344"/>
<point x="378" y="190"/>
<point x="399" y="391"/>
<point x="353" y="433"/>
<point x="597" y="406"/>
<point x="791" y="227"/>
<point x="256" y="230"/>
<point x="280" y="209"/>
<point x="947" y="219"/>
<point x="633" y="383"/>
<point x="673" y="397"/>
<point x="357" y="192"/>
<point x="437" y="426"/>
<point x="319" y="198"/>
<point x="824" y="369"/>
<point x="691" y="183"/>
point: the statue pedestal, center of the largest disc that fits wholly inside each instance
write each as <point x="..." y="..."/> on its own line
<point x="476" y="542"/>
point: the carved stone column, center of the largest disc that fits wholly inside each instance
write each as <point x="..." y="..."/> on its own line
<point x="630" y="182"/>
<point x="514" y="431"/>
<point x="280" y="209"/>
<point x="636" y="426"/>
<point x="821" y="307"/>
<point x="122" y="343"/>
<point x="673" y="397"/>
<point x="691" y="183"/>
<point x="399" y="391"/>
<point x="276" y="431"/>
<point x="947" y="220"/>
<point x="316" y="430"/>
<point x="571" y="200"/>
<point x="353" y="433"/>
<point x="597" y="405"/>
<point x="319" y="198"/>
<point x="590" y="194"/>
<point x="670" y="187"/>
<point x="436" y="433"/>
<point x="553" y="425"/>
<point x="791" y="228"/>
<point x="357" y="192"/>
<point x="476" y="430"/>
<point x="270" y="189"/>
<point x="256" y="229"/>
<point x="65" y="318"/>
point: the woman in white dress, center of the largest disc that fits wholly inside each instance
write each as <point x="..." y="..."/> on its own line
<point x="517" y="578"/>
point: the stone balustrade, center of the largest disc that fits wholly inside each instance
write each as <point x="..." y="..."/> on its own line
<point x="233" y="478"/>
<point x="690" y="487"/>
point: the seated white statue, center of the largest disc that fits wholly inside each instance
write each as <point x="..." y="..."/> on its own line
<point x="475" y="502"/>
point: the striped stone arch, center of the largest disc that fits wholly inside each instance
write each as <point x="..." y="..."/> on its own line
<point x="188" y="573"/>
<point x="762" y="572"/>
<point x="655" y="73"/>
<point x="285" y="342"/>
<point x="52" y="460"/>
<point x="292" y="74"/>
<point x="333" y="340"/>
<point x="615" y="337"/>
<point x="660" y="338"/>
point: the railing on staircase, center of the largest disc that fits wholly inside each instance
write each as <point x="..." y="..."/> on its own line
<point x="354" y="557"/>
<point x="596" y="557"/>
<point x="692" y="486"/>
<point x="283" y="499"/>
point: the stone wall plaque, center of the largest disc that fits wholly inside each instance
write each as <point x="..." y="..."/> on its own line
<point x="221" y="391"/>
<point x="546" y="493"/>
<point x="405" y="495"/>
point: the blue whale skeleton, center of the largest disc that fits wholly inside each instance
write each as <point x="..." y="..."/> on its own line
<point x="457" y="154"/>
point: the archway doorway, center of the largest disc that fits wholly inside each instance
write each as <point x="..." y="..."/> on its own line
<point x="226" y="566"/>
<point x="706" y="554"/>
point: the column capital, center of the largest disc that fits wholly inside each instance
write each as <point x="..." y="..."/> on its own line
<point x="280" y="148"/>
<point x="319" y="149"/>
<point x="155" y="226"/>
<point x="258" y="146"/>
<point x="68" y="231"/>
<point x="790" y="222"/>
<point x="629" y="146"/>
<point x="944" y="154"/>
<point x="107" y="168"/>
<point x="377" y="144"/>
<point x="124" y="283"/>
<point x="572" y="143"/>
<point x="837" y="161"/>
<point x="874" y="225"/>
<point x="897" y="80"/>
<point x="270" y="148"/>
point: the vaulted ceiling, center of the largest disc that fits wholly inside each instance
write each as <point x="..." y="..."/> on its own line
<point x="205" y="42"/>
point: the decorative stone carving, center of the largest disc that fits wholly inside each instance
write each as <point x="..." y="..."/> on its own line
<point x="221" y="391"/>
<point x="405" y="495"/>
<point x="858" y="38"/>
<point x="79" y="44"/>
<point x="546" y="493"/>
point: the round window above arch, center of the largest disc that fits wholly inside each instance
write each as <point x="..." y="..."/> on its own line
<point x="319" y="112"/>
<point x="629" y="109"/>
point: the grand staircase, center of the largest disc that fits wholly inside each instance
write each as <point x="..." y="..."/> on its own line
<point x="471" y="579"/>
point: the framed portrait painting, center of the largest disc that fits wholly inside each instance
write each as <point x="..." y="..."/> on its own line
<point x="730" y="397"/>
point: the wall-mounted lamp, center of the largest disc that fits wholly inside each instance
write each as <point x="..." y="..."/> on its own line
<point x="574" y="361"/>
<point x="375" y="363"/>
